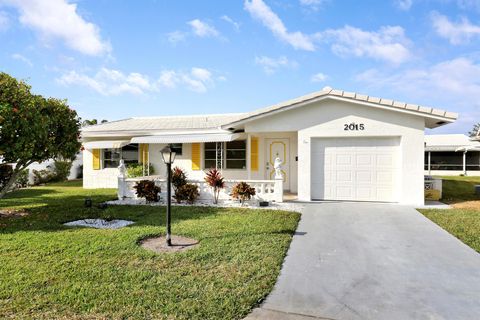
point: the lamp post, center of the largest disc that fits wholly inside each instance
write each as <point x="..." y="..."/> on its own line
<point x="168" y="157"/>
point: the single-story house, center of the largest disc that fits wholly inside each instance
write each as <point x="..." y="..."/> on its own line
<point x="333" y="144"/>
<point x="451" y="154"/>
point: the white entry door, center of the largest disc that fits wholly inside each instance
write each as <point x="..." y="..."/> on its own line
<point x="356" y="169"/>
<point x="278" y="148"/>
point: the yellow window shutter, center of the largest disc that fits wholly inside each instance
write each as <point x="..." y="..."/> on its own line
<point x="195" y="156"/>
<point x="254" y="153"/>
<point x="140" y="153"/>
<point x="96" y="159"/>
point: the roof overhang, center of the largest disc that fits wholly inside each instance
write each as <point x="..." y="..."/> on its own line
<point x="433" y="117"/>
<point x="106" y="144"/>
<point x="187" y="138"/>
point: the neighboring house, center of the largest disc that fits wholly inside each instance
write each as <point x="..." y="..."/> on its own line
<point x="451" y="154"/>
<point x="334" y="145"/>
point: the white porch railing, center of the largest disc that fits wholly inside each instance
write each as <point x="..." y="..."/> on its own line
<point x="266" y="190"/>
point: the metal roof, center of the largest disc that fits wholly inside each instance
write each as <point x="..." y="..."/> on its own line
<point x="355" y="97"/>
<point x="152" y="125"/>
<point x="449" y="142"/>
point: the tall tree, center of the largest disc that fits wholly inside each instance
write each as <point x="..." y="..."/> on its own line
<point x="34" y="128"/>
<point x="475" y="130"/>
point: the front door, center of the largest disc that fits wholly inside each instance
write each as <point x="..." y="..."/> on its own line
<point x="278" y="148"/>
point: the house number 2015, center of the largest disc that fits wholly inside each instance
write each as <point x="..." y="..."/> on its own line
<point x="354" y="126"/>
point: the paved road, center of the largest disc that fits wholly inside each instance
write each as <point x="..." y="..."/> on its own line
<point x="373" y="261"/>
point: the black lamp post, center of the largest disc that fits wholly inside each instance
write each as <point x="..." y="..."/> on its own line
<point x="168" y="157"/>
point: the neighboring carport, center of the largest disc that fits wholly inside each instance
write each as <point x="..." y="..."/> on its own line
<point x="374" y="261"/>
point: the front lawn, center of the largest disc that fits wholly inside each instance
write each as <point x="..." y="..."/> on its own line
<point x="49" y="271"/>
<point x="463" y="221"/>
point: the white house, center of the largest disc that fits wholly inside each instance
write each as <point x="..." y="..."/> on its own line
<point x="334" y="145"/>
<point x="452" y="154"/>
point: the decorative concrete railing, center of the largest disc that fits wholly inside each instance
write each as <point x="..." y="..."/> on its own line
<point x="433" y="188"/>
<point x="266" y="190"/>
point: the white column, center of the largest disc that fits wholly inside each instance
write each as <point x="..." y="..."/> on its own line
<point x="465" y="163"/>
<point x="429" y="163"/>
<point x="121" y="192"/>
<point x="278" y="189"/>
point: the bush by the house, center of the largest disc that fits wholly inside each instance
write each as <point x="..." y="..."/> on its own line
<point x="215" y="180"/>
<point x="179" y="178"/>
<point x="43" y="176"/>
<point x="136" y="170"/>
<point x="148" y="190"/>
<point x="61" y="170"/>
<point x="243" y="191"/>
<point x="22" y="179"/>
<point x="188" y="192"/>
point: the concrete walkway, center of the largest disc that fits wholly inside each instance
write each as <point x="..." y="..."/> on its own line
<point x="373" y="261"/>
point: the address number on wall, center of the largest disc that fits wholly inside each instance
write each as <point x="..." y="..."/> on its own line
<point x="353" y="126"/>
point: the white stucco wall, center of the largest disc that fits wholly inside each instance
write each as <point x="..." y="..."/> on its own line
<point x="327" y="119"/>
<point x="104" y="178"/>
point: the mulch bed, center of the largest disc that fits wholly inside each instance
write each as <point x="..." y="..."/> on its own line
<point x="6" y="213"/>
<point x="179" y="244"/>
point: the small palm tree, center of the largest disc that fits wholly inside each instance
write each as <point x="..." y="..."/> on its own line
<point x="215" y="180"/>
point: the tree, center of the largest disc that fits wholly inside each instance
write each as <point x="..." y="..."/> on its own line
<point x="475" y="131"/>
<point x="34" y="128"/>
<point x="86" y="122"/>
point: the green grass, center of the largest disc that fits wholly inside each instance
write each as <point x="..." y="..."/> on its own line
<point x="49" y="271"/>
<point x="463" y="223"/>
<point x="457" y="189"/>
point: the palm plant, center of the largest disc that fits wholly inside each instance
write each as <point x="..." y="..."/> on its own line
<point x="215" y="180"/>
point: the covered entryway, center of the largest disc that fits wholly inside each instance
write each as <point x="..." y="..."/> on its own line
<point x="355" y="169"/>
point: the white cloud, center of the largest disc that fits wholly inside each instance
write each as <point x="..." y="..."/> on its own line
<point x="203" y="29"/>
<point x="259" y="10"/>
<point x="313" y="4"/>
<point x="456" y="32"/>
<point x="19" y="57"/>
<point x="110" y="82"/>
<point x="404" y="5"/>
<point x="453" y="83"/>
<point x="389" y="43"/>
<point x="58" y="19"/>
<point x="4" y="21"/>
<point x="469" y="4"/>
<point x="176" y="37"/>
<point x="235" y="24"/>
<point x="271" y="65"/>
<point x="319" y="77"/>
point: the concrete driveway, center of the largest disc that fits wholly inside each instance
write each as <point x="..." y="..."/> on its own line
<point x="374" y="261"/>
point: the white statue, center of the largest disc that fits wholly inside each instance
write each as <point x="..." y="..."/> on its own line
<point x="122" y="169"/>
<point x="277" y="165"/>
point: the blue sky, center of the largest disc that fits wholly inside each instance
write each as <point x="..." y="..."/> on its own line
<point x="116" y="59"/>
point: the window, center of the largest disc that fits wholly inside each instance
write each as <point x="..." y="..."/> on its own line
<point x="111" y="157"/>
<point x="229" y="155"/>
<point x="177" y="147"/>
<point x="211" y="158"/>
<point x="236" y="155"/>
<point x="450" y="160"/>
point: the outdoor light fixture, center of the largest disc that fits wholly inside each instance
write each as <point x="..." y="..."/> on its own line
<point x="168" y="157"/>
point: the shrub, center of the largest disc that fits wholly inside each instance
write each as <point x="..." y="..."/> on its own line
<point x="42" y="176"/>
<point x="242" y="191"/>
<point x="61" y="170"/>
<point x="215" y="180"/>
<point x="179" y="178"/>
<point x="22" y="179"/>
<point x="136" y="170"/>
<point x="188" y="192"/>
<point x="148" y="190"/>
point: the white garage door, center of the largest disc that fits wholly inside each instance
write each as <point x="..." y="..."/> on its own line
<point x="358" y="169"/>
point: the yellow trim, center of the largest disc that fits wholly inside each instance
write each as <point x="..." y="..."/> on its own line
<point x="96" y="159"/>
<point x="195" y="156"/>
<point x="254" y="153"/>
<point x="143" y="154"/>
